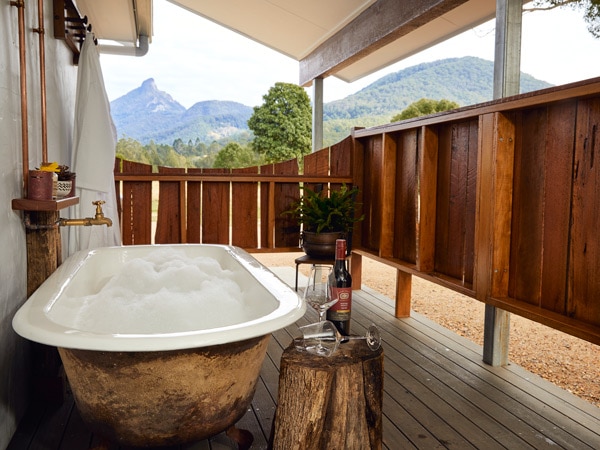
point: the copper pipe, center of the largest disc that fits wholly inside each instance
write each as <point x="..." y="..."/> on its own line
<point x="20" y="4"/>
<point x="41" y="31"/>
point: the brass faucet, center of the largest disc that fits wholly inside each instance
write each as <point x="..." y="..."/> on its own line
<point x="98" y="219"/>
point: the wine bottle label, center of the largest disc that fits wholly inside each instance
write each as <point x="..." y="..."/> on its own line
<point x="344" y="303"/>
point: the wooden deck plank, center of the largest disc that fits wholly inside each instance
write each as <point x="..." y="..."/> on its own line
<point x="27" y="427"/>
<point x="515" y="397"/>
<point x="393" y="438"/>
<point x="76" y="434"/>
<point x="454" y="399"/>
<point x="437" y="394"/>
<point x="263" y="407"/>
<point x="49" y="434"/>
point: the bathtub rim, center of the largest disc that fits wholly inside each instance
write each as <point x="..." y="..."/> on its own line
<point x="32" y="322"/>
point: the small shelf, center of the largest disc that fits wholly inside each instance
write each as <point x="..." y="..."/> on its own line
<point x="25" y="204"/>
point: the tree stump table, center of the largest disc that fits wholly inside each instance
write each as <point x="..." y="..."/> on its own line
<point x="330" y="402"/>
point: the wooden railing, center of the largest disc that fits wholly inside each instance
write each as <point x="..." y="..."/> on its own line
<point x="499" y="201"/>
<point x="241" y="207"/>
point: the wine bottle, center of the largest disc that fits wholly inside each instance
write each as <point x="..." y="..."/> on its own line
<point x="341" y="288"/>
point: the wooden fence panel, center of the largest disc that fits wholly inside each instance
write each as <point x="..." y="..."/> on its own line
<point x="405" y="231"/>
<point x="287" y="232"/>
<point x="388" y="197"/>
<point x="560" y="151"/>
<point x="118" y="194"/>
<point x="373" y="165"/>
<point x="456" y="195"/>
<point x="194" y="208"/>
<point x="316" y="163"/>
<point x="584" y="273"/>
<point x="170" y="221"/>
<point x="244" y="211"/>
<point x="136" y="197"/>
<point x="267" y="209"/>
<point x="215" y="209"/>
<point x="340" y="160"/>
<point x="528" y="203"/>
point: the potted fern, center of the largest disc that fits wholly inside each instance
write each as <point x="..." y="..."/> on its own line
<point x="325" y="216"/>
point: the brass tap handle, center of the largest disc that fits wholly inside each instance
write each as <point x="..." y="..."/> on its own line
<point x="99" y="204"/>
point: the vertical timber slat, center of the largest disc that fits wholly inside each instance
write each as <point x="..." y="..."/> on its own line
<point x="170" y="217"/>
<point x="215" y="209"/>
<point x="136" y="220"/>
<point x="194" y="208"/>
<point x="357" y="170"/>
<point x="287" y="232"/>
<point x="267" y="209"/>
<point x="584" y="282"/>
<point x="388" y="197"/>
<point x="558" y="194"/>
<point x="407" y="187"/>
<point x="428" y="187"/>
<point x="244" y="211"/>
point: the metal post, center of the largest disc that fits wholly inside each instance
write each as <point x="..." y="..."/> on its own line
<point x="507" y="58"/>
<point x="317" y="115"/>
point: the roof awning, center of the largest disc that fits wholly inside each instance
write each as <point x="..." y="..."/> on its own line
<point x="348" y="39"/>
<point x="122" y="21"/>
<point x="345" y="38"/>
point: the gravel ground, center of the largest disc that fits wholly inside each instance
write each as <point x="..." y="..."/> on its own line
<point x="566" y="361"/>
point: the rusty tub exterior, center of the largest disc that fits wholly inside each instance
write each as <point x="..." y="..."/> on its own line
<point x="164" y="397"/>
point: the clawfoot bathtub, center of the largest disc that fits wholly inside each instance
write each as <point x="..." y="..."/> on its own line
<point x="154" y="375"/>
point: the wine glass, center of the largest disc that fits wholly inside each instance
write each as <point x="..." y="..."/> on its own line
<point x="323" y="338"/>
<point x="372" y="336"/>
<point x="317" y="293"/>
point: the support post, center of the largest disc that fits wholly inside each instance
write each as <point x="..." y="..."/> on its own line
<point x="43" y="258"/>
<point x="403" y="293"/>
<point x="507" y="56"/>
<point x="507" y="73"/>
<point x="496" y="333"/>
<point x="317" y="115"/>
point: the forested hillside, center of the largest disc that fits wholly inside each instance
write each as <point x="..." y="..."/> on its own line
<point x="467" y="81"/>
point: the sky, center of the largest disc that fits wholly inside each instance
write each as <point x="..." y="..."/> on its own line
<point x="195" y="60"/>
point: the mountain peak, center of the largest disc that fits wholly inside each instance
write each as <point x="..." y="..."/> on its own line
<point x="146" y="98"/>
<point x="149" y="85"/>
<point x="147" y="113"/>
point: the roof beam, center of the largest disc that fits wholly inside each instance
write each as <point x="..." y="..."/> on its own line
<point x="381" y="23"/>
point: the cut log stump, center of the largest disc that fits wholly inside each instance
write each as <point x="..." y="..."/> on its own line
<point x="330" y="402"/>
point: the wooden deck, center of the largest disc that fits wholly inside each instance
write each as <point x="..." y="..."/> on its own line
<point x="437" y="394"/>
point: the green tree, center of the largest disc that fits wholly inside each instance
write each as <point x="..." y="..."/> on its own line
<point x="424" y="107"/>
<point x="131" y="150"/>
<point x="233" y="155"/>
<point x="591" y="9"/>
<point x="282" y="125"/>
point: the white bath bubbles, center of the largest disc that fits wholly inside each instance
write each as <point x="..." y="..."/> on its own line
<point x="164" y="292"/>
<point x="157" y="297"/>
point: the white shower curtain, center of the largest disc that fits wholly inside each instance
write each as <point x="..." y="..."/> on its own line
<point x="93" y="155"/>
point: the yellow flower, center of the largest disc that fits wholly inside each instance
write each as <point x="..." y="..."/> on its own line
<point x="50" y="167"/>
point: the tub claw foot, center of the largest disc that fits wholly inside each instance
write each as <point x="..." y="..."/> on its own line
<point x="243" y="438"/>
